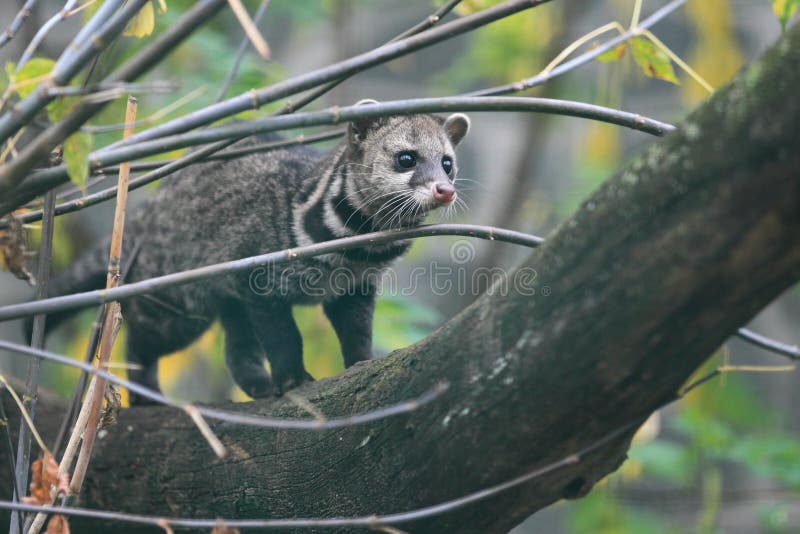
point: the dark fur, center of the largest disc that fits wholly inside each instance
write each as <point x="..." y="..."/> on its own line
<point x="258" y="203"/>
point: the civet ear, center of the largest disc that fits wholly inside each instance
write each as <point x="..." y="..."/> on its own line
<point x="456" y="127"/>
<point x="358" y="129"/>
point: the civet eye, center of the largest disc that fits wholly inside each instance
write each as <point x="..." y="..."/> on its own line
<point x="447" y="165"/>
<point x="406" y="159"/>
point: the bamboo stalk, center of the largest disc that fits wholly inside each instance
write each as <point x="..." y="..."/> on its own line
<point x="113" y="316"/>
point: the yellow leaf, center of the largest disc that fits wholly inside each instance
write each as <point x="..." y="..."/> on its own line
<point x="143" y="23"/>
<point x="653" y="61"/>
<point x="162" y="6"/>
<point x="614" y="54"/>
<point x="785" y="9"/>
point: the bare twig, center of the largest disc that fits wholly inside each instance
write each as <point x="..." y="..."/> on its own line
<point x="790" y="351"/>
<point x="13" y="172"/>
<point x="237" y="417"/>
<point x="430" y="21"/>
<point x="151" y="285"/>
<point x="26" y="417"/>
<point x="226" y="83"/>
<point x="256" y="99"/>
<point x="69" y="455"/>
<point x="37" y="340"/>
<point x="250" y="29"/>
<point x="336" y="115"/>
<point x="212" y="439"/>
<point x="64" y="70"/>
<point x="43" y="31"/>
<point x="293" y="105"/>
<point x="112" y="316"/>
<point x="582" y="59"/>
<point x="16" y="24"/>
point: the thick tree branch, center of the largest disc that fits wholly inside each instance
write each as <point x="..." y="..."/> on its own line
<point x="630" y="295"/>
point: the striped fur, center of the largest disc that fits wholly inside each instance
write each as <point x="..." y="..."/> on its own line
<point x="291" y="197"/>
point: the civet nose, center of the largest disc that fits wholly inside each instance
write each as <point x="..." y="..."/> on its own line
<point x="444" y="192"/>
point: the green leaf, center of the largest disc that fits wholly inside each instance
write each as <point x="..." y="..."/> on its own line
<point x="26" y="80"/>
<point x="615" y="54"/>
<point x="653" y="61"/>
<point x="76" y="156"/>
<point x="785" y="9"/>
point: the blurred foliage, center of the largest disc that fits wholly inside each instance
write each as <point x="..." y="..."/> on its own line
<point x="784" y="10"/>
<point x="719" y="431"/>
<point x="507" y="50"/>
<point x="715" y="54"/>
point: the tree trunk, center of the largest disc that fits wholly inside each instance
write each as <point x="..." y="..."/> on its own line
<point x="599" y="327"/>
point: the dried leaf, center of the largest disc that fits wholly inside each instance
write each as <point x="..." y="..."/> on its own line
<point x="14" y="250"/>
<point x="143" y="23"/>
<point x="44" y="477"/>
<point x="58" y="525"/>
<point x="653" y="61"/>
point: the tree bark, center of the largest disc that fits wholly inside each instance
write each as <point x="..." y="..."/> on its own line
<point x="629" y="296"/>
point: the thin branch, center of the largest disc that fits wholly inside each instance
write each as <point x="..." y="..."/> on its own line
<point x="64" y="70"/>
<point x="237" y="417"/>
<point x="790" y="351"/>
<point x="26" y="417"/>
<point x="152" y="285"/>
<point x="43" y="31"/>
<point x="335" y="115"/>
<point x="250" y="29"/>
<point x="10" y="446"/>
<point x="37" y="341"/>
<point x="234" y="131"/>
<point x="113" y="316"/>
<point x="226" y="83"/>
<point x="158" y="115"/>
<point x="430" y="21"/>
<point x="382" y="54"/>
<point x="293" y="105"/>
<point x="582" y="59"/>
<point x="14" y="172"/>
<point x="16" y="24"/>
<point x="146" y="87"/>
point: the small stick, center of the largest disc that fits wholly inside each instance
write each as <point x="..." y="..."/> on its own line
<point x="250" y="29"/>
<point x="202" y="425"/>
<point x="113" y="316"/>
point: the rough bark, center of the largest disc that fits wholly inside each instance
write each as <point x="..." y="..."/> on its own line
<point x="631" y="294"/>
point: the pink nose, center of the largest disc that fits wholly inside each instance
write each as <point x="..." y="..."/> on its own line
<point x="444" y="192"/>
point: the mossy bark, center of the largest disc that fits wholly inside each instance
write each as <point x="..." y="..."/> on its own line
<point x="624" y="301"/>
